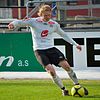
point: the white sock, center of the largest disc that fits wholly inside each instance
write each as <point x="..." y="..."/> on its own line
<point x="73" y="76"/>
<point x="58" y="81"/>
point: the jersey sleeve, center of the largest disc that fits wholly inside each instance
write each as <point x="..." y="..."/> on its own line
<point x="26" y="22"/>
<point x="64" y="35"/>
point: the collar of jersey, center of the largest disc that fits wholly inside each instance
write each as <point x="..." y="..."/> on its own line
<point x="48" y="22"/>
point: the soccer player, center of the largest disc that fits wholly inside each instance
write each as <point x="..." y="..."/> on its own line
<point x="42" y="29"/>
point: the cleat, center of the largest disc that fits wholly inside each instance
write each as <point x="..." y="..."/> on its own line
<point x="86" y="91"/>
<point x="65" y="92"/>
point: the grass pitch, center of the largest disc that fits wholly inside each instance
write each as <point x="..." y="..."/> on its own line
<point x="44" y="90"/>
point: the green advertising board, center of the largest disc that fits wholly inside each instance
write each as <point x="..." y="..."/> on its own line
<point x="16" y="53"/>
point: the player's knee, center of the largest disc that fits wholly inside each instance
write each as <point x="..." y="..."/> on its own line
<point x="67" y="68"/>
<point x="65" y="65"/>
<point x="51" y="70"/>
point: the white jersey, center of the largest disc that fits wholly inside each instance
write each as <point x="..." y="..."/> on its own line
<point x="42" y="32"/>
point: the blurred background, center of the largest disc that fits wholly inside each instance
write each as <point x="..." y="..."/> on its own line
<point x="65" y="12"/>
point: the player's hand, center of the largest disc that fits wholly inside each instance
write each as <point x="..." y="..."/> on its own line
<point x="79" y="47"/>
<point x="11" y="26"/>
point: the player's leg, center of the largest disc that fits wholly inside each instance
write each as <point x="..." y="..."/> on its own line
<point x="49" y="68"/>
<point x="44" y="61"/>
<point x="65" y="65"/>
<point x="59" y="59"/>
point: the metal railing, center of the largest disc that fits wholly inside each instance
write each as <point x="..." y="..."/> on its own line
<point x="70" y="23"/>
<point x="39" y="1"/>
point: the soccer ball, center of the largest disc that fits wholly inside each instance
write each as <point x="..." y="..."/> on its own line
<point x="77" y="90"/>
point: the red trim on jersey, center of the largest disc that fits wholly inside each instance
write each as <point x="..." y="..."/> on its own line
<point x="51" y="22"/>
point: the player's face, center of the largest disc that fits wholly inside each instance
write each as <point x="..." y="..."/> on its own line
<point x="46" y="15"/>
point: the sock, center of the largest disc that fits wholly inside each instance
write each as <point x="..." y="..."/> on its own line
<point x="73" y="76"/>
<point x="58" y="81"/>
<point x="63" y="88"/>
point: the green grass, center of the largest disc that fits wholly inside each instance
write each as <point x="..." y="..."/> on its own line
<point x="44" y="90"/>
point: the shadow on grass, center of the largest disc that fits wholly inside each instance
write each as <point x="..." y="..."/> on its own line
<point x="92" y="96"/>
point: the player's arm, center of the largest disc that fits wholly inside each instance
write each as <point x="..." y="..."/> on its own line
<point x="19" y="23"/>
<point x="66" y="37"/>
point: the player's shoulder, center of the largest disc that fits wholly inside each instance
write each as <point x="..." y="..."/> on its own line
<point x="32" y="19"/>
<point x="53" y="22"/>
<point x="29" y="19"/>
<point x="38" y="19"/>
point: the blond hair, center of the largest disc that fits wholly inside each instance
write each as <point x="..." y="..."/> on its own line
<point x="44" y="8"/>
